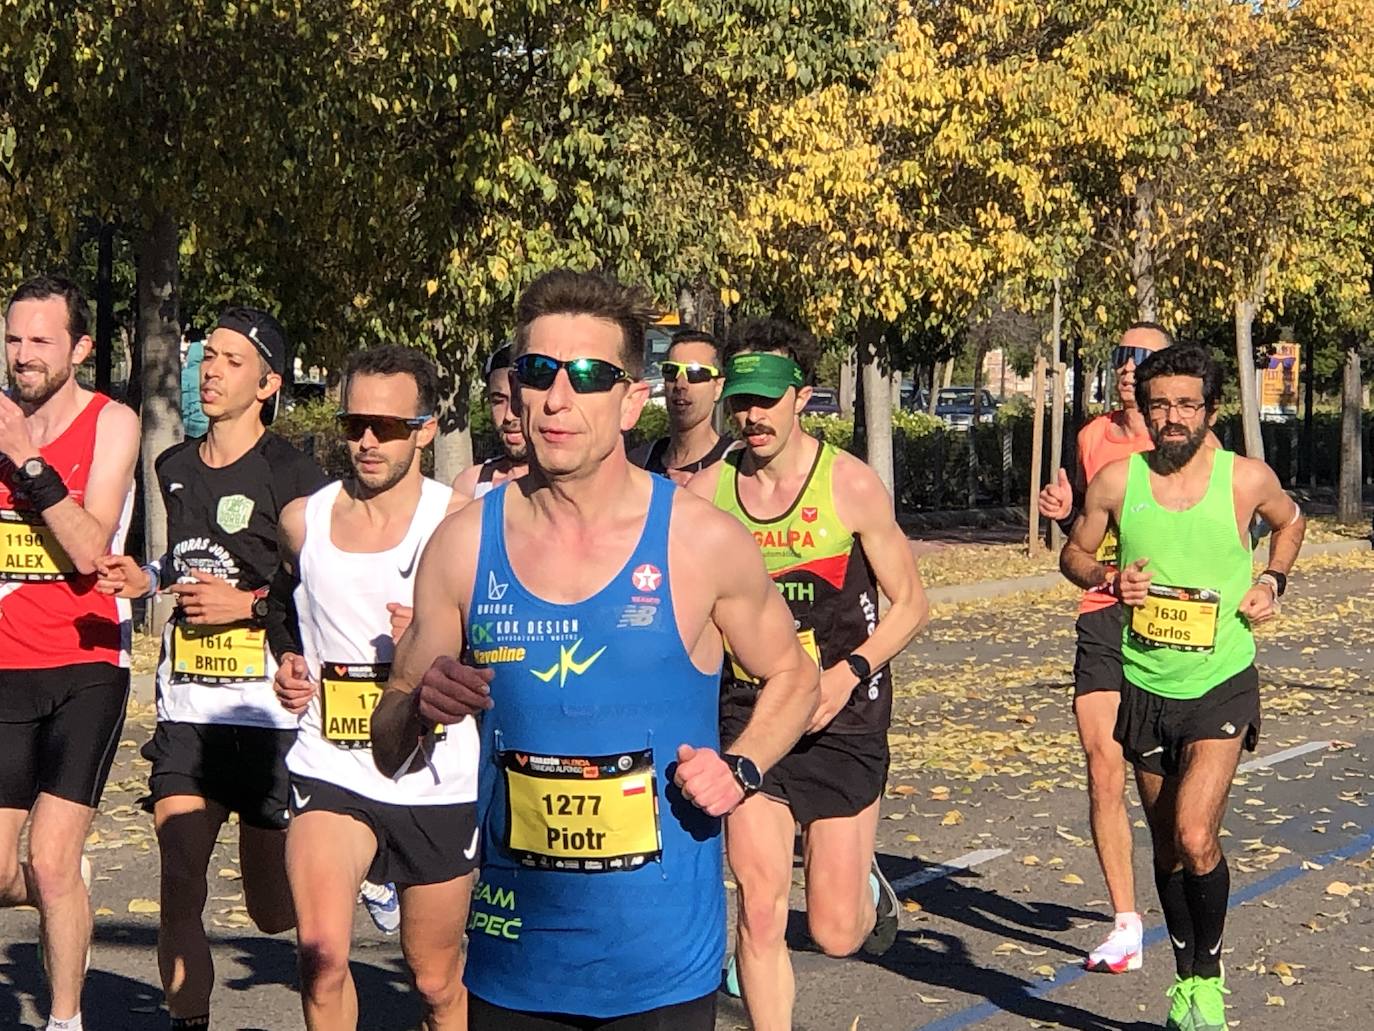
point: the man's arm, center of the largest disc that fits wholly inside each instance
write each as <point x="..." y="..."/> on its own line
<point x="85" y="530"/>
<point x="465" y="483"/>
<point x="1281" y="512"/>
<point x="1078" y="559"/>
<point x="283" y="629"/>
<point x="410" y="706"/>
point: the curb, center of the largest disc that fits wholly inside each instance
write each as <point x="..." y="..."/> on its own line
<point x="986" y="590"/>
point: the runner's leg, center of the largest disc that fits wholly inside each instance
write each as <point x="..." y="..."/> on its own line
<point x="1159" y="799"/>
<point x="1206" y="770"/>
<point x="1096" y="713"/>
<point x="838" y="852"/>
<point x="14" y="881"/>
<point x="759" y="837"/>
<point x="433" y="917"/>
<point x="266" y="891"/>
<point x="187" y="826"/>
<point x="327" y="856"/>
<point x="56" y="838"/>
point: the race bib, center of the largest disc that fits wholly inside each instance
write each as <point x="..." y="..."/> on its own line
<point x="1182" y="618"/>
<point x="212" y="655"/>
<point x="29" y="550"/>
<point x="589" y="814"/>
<point x="807" y="638"/>
<point x="348" y="694"/>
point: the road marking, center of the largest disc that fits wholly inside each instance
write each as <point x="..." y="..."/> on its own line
<point x="941" y="870"/>
<point x="1286" y="754"/>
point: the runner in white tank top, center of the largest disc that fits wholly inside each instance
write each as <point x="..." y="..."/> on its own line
<point x="355" y="546"/>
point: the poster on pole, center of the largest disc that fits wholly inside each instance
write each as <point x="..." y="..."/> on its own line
<point x="1279" y="384"/>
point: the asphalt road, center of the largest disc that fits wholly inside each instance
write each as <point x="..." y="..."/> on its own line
<point x="984" y="831"/>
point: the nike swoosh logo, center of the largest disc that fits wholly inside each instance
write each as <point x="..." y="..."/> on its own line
<point x="405" y="571"/>
<point x="1155" y="751"/>
<point x="1215" y="948"/>
<point x="471" y="850"/>
<point x="301" y="800"/>
<point x="1178" y="944"/>
<point x="172" y="488"/>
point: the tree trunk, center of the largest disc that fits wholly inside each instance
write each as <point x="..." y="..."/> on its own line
<point x="971" y="439"/>
<point x="104" y="309"/>
<point x="1033" y="541"/>
<point x="1348" y="502"/>
<point x="453" y="445"/>
<point x="938" y="370"/>
<point x="159" y="333"/>
<point x="1245" y="369"/>
<point x="1143" y="257"/>
<point x="877" y="407"/>
<point x="847" y="387"/>
<point x="1057" y="405"/>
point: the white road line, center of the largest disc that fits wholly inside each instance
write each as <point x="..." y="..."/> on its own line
<point x="1286" y="754"/>
<point x="935" y="873"/>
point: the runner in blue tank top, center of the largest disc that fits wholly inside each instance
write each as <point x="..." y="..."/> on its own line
<point x="590" y="600"/>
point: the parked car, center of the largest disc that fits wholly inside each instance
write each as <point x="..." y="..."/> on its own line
<point x="824" y="401"/>
<point x="954" y="405"/>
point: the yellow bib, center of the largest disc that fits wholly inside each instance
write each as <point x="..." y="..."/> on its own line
<point x="1182" y="618"/>
<point x="217" y="655"/>
<point x="29" y="550"/>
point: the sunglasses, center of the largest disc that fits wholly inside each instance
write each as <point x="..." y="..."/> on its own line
<point x="587" y="375"/>
<point x="384" y="427"/>
<point x="1122" y="355"/>
<point x="696" y="372"/>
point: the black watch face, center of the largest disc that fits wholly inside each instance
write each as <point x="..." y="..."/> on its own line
<point x="260" y="607"/>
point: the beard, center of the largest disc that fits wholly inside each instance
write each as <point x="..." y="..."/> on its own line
<point x="375" y="483"/>
<point x="1169" y="456"/>
<point x="517" y="455"/>
<point x="37" y="393"/>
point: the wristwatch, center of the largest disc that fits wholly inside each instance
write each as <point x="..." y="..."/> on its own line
<point x="860" y="666"/>
<point x="30" y="470"/>
<point x="260" y="607"/>
<point x="1279" y="580"/>
<point x="746" y="772"/>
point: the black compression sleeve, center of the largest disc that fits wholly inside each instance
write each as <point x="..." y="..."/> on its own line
<point x="283" y="627"/>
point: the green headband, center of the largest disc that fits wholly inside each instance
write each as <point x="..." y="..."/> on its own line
<point x="761" y="374"/>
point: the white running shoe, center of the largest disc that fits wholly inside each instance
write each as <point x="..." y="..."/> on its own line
<point x="1123" y="950"/>
<point x="383" y="905"/>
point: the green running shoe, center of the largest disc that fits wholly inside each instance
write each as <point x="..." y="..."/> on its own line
<point x="1181" y="1005"/>
<point x="1209" y="1008"/>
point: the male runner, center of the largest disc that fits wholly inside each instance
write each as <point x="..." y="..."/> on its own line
<point x="1190" y="698"/>
<point x="825" y="525"/>
<point x="355" y="545"/>
<point x="476" y="480"/>
<point x="1097" y="661"/>
<point x="692" y="382"/>
<point x="66" y="484"/>
<point x="592" y="598"/>
<point x="221" y="737"/>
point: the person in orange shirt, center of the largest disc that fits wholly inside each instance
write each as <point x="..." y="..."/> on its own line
<point x="1097" y="663"/>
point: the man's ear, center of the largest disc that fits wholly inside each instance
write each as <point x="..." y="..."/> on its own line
<point x="81" y="350"/>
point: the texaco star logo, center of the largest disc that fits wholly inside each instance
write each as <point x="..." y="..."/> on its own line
<point x="647" y="577"/>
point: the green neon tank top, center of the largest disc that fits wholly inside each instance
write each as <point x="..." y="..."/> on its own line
<point x="1189" y="637"/>
<point x="822" y="573"/>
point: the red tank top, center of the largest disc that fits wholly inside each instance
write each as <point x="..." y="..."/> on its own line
<point x="50" y="615"/>
<point x="1096" y="450"/>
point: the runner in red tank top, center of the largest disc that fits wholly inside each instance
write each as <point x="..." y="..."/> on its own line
<point x="1097" y="662"/>
<point x="66" y="483"/>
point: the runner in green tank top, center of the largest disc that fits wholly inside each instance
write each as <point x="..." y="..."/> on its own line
<point x="830" y="540"/>
<point x="1190" y="700"/>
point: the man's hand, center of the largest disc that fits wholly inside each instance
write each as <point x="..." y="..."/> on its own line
<point x="706" y="780"/>
<point x="293" y="685"/>
<point x="401" y="615"/>
<point x="1133" y="585"/>
<point x="450" y="692"/>
<point x="837" y="684"/>
<point x="16" y="443"/>
<point x="1056" y="500"/>
<point x="1259" y="604"/>
<point x="211" y="601"/>
<point x="121" y="576"/>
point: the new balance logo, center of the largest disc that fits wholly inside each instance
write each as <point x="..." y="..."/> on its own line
<point x="567" y="663"/>
<point x="495" y="591"/>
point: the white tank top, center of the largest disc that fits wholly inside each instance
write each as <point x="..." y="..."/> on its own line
<point x="346" y="632"/>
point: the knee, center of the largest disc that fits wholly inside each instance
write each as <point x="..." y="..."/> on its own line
<point x="1197" y="846"/>
<point x="762" y="909"/>
<point x="324" y="964"/>
<point x="836" y="933"/>
<point x="54" y="873"/>
<point x="1106" y="772"/>
<point x="438" y="985"/>
<point x="183" y="894"/>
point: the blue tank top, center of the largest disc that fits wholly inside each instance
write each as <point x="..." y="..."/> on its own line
<point x="600" y="890"/>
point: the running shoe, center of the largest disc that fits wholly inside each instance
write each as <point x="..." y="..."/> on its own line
<point x="1181" y="1005"/>
<point x="1209" y="1008"/>
<point x="383" y="905"/>
<point x="1123" y="950"/>
<point x="888" y="906"/>
<point x="729" y="979"/>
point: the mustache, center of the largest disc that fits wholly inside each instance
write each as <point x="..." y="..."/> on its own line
<point x="755" y="429"/>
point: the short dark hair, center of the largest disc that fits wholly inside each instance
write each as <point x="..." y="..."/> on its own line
<point x="566" y="292"/>
<point x="775" y="336"/>
<point x="392" y="360"/>
<point x="1180" y="360"/>
<point x="40" y="288"/>
<point x="695" y="336"/>
<point x="1169" y="340"/>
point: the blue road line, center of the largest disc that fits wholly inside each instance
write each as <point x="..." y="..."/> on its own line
<point x="1071" y="972"/>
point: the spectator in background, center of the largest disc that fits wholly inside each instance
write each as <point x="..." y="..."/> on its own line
<point x="193" y="420"/>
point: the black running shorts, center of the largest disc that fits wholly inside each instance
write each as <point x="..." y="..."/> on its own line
<point x="1153" y="730"/>
<point x="696" y="1015"/>
<point x="59" y="730"/>
<point x="1097" y="660"/>
<point x="826" y="775"/>
<point x="416" y="844"/>
<point x="241" y="768"/>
